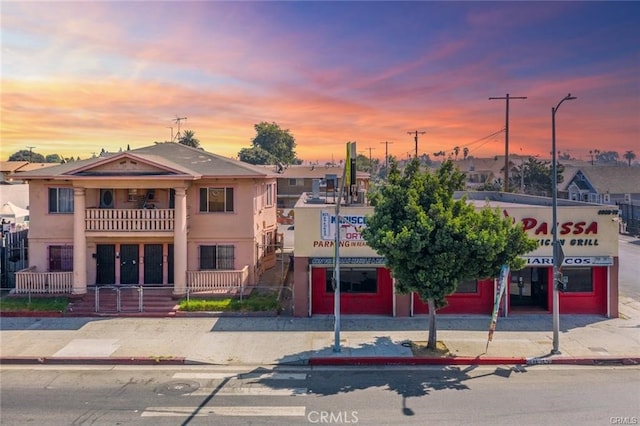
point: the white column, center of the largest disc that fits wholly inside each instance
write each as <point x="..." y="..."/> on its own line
<point x="79" y="242"/>
<point x="180" y="244"/>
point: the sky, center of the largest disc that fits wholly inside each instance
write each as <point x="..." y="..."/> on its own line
<point x="79" y="77"/>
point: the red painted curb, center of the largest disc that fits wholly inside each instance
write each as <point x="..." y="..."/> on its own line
<point x="93" y="361"/>
<point x="392" y="360"/>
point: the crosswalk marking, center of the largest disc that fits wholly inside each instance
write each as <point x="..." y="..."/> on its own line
<point x="249" y="391"/>
<point x="282" y="411"/>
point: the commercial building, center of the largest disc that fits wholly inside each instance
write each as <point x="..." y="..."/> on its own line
<point x="587" y="232"/>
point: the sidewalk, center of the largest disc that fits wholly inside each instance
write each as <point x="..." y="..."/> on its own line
<point x="519" y="339"/>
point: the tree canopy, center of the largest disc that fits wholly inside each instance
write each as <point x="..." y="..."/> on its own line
<point x="189" y="139"/>
<point x="535" y="177"/>
<point x="273" y="140"/>
<point x="431" y="241"/>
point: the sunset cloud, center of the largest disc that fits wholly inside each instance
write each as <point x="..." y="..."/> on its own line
<point x="78" y="77"/>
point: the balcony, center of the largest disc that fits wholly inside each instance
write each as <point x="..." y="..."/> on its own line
<point x="129" y="220"/>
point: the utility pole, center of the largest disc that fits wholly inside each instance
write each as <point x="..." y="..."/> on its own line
<point x="415" y="137"/>
<point x="370" y="161"/>
<point x="178" y="120"/>
<point x="30" y="153"/>
<point x="506" y="139"/>
<point x="386" y="156"/>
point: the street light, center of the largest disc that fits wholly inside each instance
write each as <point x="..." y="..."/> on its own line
<point x="557" y="249"/>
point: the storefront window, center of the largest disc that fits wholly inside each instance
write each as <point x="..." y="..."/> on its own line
<point x="467" y="286"/>
<point x="579" y="280"/>
<point x="354" y="280"/>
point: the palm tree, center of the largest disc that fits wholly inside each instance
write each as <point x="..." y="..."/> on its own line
<point x="629" y="156"/>
<point x="189" y="139"/>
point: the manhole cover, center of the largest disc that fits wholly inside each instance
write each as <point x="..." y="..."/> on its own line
<point x="177" y="387"/>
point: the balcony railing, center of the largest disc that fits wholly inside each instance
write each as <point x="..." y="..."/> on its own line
<point x="130" y="220"/>
<point x="30" y="281"/>
<point x="214" y="281"/>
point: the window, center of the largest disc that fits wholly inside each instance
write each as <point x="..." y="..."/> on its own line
<point x="270" y="194"/>
<point x="132" y="195"/>
<point x="354" y="280"/>
<point x="296" y="182"/>
<point x="216" y="199"/>
<point x="60" y="200"/>
<point x="60" y="258"/>
<point x="579" y="280"/>
<point x="217" y="257"/>
<point x="467" y="286"/>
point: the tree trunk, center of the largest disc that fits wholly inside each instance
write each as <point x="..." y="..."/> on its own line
<point x="431" y="344"/>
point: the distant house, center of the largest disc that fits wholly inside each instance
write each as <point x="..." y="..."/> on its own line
<point x="11" y="170"/>
<point x="481" y="171"/>
<point x="162" y="215"/>
<point x="295" y="180"/>
<point x="604" y="185"/>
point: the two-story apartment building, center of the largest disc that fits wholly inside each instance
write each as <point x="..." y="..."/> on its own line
<point x="163" y="215"/>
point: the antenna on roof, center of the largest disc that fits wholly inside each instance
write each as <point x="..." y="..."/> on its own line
<point x="177" y="120"/>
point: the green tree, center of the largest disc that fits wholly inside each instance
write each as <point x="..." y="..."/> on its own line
<point x="256" y="155"/>
<point x="629" y="156"/>
<point x="607" y="157"/>
<point x="276" y="141"/>
<point x="53" y="158"/>
<point x="27" y="155"/>
<point x="433" y="242"/>
<point x="535" y="177"/>
<point x="189" y="139"/>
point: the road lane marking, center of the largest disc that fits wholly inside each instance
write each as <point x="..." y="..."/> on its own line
<point x="228" y="375"/>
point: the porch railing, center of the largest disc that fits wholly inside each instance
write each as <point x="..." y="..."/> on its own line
<point x="211" y="281"/>
<point x="130" y="220"/>
<point x="30" y="281"/>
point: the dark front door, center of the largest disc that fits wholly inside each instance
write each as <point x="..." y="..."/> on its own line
<point x="129" y="264"/>
<point x="153" y="263"/>
<point x="106" y="264"/>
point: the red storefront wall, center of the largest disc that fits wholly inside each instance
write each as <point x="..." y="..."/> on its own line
<point x="594" y="302"/>
<point x="379" y="303"/>
<point x="480" y="302"/>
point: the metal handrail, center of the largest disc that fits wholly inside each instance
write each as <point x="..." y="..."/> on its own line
<point x="140" y="296"/>
<point x="97" y="296"/>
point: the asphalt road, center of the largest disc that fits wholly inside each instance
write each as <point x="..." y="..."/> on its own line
<point x="629" y="275"/>
<point x="201" y="395"/>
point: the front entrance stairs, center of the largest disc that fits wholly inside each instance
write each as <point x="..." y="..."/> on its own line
<point x="115" y="300"/>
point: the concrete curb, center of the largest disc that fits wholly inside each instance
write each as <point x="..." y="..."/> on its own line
<point x="94" y="361"/>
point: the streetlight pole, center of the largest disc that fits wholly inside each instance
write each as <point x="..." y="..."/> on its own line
<point x="556" y="247"/>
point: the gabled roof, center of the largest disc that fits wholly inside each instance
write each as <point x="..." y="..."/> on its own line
<point x="615" y="180"/>
<point x="22" y="166"/>
<point x="164" y="159"/>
